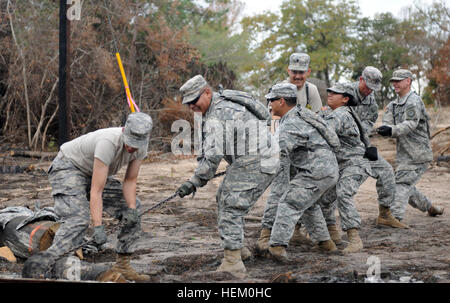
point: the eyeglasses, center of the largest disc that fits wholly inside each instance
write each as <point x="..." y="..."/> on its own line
<point x="272" y="100"/>
<point x="195" y="100"/>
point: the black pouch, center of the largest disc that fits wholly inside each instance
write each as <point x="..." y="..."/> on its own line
<point x="371" y="153"/>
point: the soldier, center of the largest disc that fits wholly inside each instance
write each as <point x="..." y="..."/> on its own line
<point x="367" y="110"/>
<point x="307" y="93"/>
<point x="308" y="97"/>
<point x="82" y="187"/>
<point x="308" y="168"/>
<point x="248" y="175"/>
<point x="354" y="168"/>
<point x="406" y="120"/>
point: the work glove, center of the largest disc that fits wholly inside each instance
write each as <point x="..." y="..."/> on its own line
<point x="371" y="153"/>
<point x="130" y="217"/>
<point x="186" y="189"/>
<point x="385" y="131"/>
<point x="99" y="237"/>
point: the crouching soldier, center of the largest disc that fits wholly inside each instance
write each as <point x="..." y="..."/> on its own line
<point x="308" y="168"/>
<point x="82" y="188"/>
<point x="406" y="120"/>
<point x="249" y="173"/>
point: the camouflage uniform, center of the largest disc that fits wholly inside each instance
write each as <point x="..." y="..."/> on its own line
<point x="353" y="168"/>
<point x="71" y="190"/>
<point x="308" y="96"/>
<point x="367" y="110"/>
<point x="308" y="168"/>
<point x="248" y="174"/>
<point x="410" y="126"/>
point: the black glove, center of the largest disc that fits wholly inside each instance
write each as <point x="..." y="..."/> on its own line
<point x="385" y="131"/>
<point x="186" y="189"/>
<point x="371" y="153"/>
<point x="99" y="237"/>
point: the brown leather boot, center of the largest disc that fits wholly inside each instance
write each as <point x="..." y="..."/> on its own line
<point x="435" y="211"/>
<point x="325" y="246"/>
<point x="298" y="238"/>
<point x="245" y="253"/>
<point x="263" y="242"/>
<point x="278" y="253"/>
<point x="233" y="264"/>
<point x="354" y="241"/>
<point x="123" y="266"/>
<point x="385" y="217"/>
<point x="334" y="234"/>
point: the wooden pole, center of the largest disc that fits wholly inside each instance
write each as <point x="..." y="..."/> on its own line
<point x="64" y="126"/>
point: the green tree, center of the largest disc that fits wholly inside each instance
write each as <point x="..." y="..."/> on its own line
<point x="321" y="28"/>
<point x="378" y="45"/>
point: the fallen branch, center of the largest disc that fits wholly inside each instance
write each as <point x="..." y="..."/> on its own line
<point x="32" y="154"/>
<point x="440" y="131"/>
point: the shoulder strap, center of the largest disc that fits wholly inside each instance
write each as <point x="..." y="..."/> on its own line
<point x="362" y="133"/>
<point x="307" y="93"/>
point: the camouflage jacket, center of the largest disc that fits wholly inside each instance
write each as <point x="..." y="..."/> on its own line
<point x="352" y="148"/>
<point x="228" y="132"/>
<point x="410" y="126"/>
<point x="367" y="108"/>
<point x="303" y="150"/>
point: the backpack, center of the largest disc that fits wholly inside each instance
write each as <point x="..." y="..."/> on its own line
<point x="250" y="103"/>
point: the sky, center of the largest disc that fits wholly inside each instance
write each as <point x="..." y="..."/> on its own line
<point x="368" y="7"/>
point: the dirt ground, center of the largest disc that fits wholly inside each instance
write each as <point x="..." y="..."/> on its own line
<point x="181" y="242"/>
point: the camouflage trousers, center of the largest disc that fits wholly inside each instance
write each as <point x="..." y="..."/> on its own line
<point x="70" y="190"/>
<point x="341" y="196"/>
<point x="385" y="185"/>
<point x="242" y="186"/>
<point x="406" y="191"/>
<point x="301" y="197"/>
<point x="311" y="217"/>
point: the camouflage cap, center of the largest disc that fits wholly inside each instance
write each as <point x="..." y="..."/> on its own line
<point x="401" y="74"/>
<point x="192" y="88"/>
<point x="299" y="61"/>
<point x="137" y="130"/>
<point x="282" y="90"/>
<point x="373" y="77"/>
<point x="342" y="88"/>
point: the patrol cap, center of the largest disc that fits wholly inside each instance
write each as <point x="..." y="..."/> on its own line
<point x="299" y="61"/>
<point x="342" y="88"/>
<point x="282" y="90"/>
<point x="401" y="74"/>
<point x="137" y="130"/>
<point x="192" y="88"/>
<point x="373" y="77"/>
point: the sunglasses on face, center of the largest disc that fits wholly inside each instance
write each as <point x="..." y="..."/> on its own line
<point x="193" y="102"/>
<point x="272" y="100"/>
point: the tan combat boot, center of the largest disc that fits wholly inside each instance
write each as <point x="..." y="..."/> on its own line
<point x="334" y="234"/>
<point x="233" y="264"/>
<point x="278" y="253"/>
<point x="262" y="245"/>
<point x="298" y="238"/>
<point x="435" y="211"/>
<point x="354" y="241"/>
<point x="385" y="217"/>
<point x="123" y="266"/>
<point x="245" y="253"/>
<point x="325" y="246"/>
